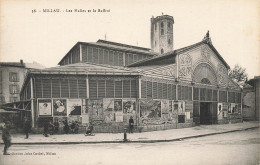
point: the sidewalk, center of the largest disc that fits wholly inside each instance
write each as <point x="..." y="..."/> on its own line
<point x="145" y="137"/>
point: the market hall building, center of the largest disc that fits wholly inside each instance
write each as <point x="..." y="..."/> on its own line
<point x="161" y="88"/>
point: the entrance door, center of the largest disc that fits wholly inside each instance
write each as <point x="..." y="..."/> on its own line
<point x="205" y="115"/>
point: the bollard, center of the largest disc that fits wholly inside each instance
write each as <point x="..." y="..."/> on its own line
<point x="125" y="135"/>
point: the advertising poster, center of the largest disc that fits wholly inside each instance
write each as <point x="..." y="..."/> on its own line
<point x="119" y="116"/>
<point x="129" y="106"/>
<point x="118" y="105"/>
<point x="95" y="108"/>
<point x="181" y="107"/>
<point x="165" y="106"/>
<point x="108" y="104"/>
<point x="220" y="111"/>
<point x="84" y="106"/>
<point x="59" y="107"/>
<point x="109" y="116"/>
<point x="44" y="107"/>
<point x="187" y="114"/>
<point x="150" y="112"/>
<point x="85" y="119"/>
<point x="74" y="106"/>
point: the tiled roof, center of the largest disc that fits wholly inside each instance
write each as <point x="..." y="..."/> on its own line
<point x="12" y="64"/>
<point x="116" y="46"/>
<point x="86" y="68"/>
<point x="181" y="50"/>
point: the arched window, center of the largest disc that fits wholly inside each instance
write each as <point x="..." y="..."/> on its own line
<point x="162" y="51"/>
<point x="162" y="32"/>
<point x="155" y="26"/>
<point x="169" y="41"/>
<point x="162" y="24"/>
<point x="155" y="43"/>
<point x="205" y="81"/>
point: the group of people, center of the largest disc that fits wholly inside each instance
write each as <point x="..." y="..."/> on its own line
<point x="50" y="127"/>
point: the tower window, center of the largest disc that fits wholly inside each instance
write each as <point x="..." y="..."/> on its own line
<point x="169" y="41"/>
<point x="155" y="43"/>
<point x="162" y="24"/>
<point x="162" y="51"/>
<point x="155" y="26"/>
<point x="162" y="31"/>
<point x="169" y="25"/>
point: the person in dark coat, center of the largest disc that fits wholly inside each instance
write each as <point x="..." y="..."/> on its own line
<point x="46" y="128"/>
<point x="6" y="138"/>
<point x="66" y="127"/>
<point x="27" y="127"/>
<point x="131" y="124"/>
<point x="56" y="126"/>
<point x="89" y="129"/>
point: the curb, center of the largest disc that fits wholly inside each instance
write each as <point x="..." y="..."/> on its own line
<point x="134" y="141"/>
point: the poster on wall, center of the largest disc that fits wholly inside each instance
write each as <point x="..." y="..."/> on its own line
<point x="117" y="105"/>
<point x="150" y="112"/>
<point x="85" y="119"/>
<point x="59" y="107"/>
<point x="165" y="106"/>
<point x="119" y="116"/>
<point x="220" y="111"/>
<point x="74" y="106"/>
<point x="181" y="107"/>
<point x="109" y="116"/>
<point x="84" y="106"/>
<point x="95" y="108"/>
<point x="187" y="114"/>
<point x="108" y="104"/>
<point x="175" y="107"/>
<point x="44" y="107"/>
<point x="129" y="106"/>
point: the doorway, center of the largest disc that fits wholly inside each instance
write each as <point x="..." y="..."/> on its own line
<point x="208" y="113"/>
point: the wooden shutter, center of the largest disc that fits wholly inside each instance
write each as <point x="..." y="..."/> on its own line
<point x="215" y="95"/>
<point x="116" y="62"/>
<point x="84" y="53"/>
<point x="73" y="88"/>
<point x="164" y="91"/>
<point x="106" y="55"/>
<point x="155" y="90"/>
<point x="143" y="89"/>
<point x="160" y="91"/>
<point x="38" y="88"/>
<point x="90" y="54"/>
<point x="64" y="88"/>
<point x="55" y="88"/>
<point x="109" y="88"/>
<point x="174" y="92"/>
<point x="133" y="89"/>
<point x="149" y="89"/>
<point x="46" y="88"/>
<point x="92" y="89"/>
<point x="95" y="55"/>
<point x="126" y="88"/>
<point x="101" y="89"/>
<point x="100" y="56"/>
<point x="111" y="57"/>
<point x="121" y="59"/>
<point x="82" y="86"/>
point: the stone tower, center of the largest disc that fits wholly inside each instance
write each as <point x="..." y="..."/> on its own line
<point x="162" y="34"/>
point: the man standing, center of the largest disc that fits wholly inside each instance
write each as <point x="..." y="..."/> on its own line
<point x="131" y="124"/>
<point x="6" y="138"/>
<point x="27" y="127"/>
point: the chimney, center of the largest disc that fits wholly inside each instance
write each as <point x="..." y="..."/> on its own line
<point x="21" y="61"/>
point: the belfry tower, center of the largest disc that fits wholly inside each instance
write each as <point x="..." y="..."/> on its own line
<point x="162" y="33"/>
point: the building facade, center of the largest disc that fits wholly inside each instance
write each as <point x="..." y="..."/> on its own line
<point x="107" y="83"/>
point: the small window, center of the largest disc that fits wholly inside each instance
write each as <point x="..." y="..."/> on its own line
<point x="162" y="51"/>
<point x="155" y="26"/>
<point x="169" y="41"/>
<point x="2" y="99"/>
<point x="162" y="31"/>
<point x="13" y="99"/>
<point x="13" y="77"/>
<point x="162" y="24"/>
<point x="14" y="89"/>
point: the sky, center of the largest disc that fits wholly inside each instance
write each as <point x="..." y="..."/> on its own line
<point x="45" y="37"/>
